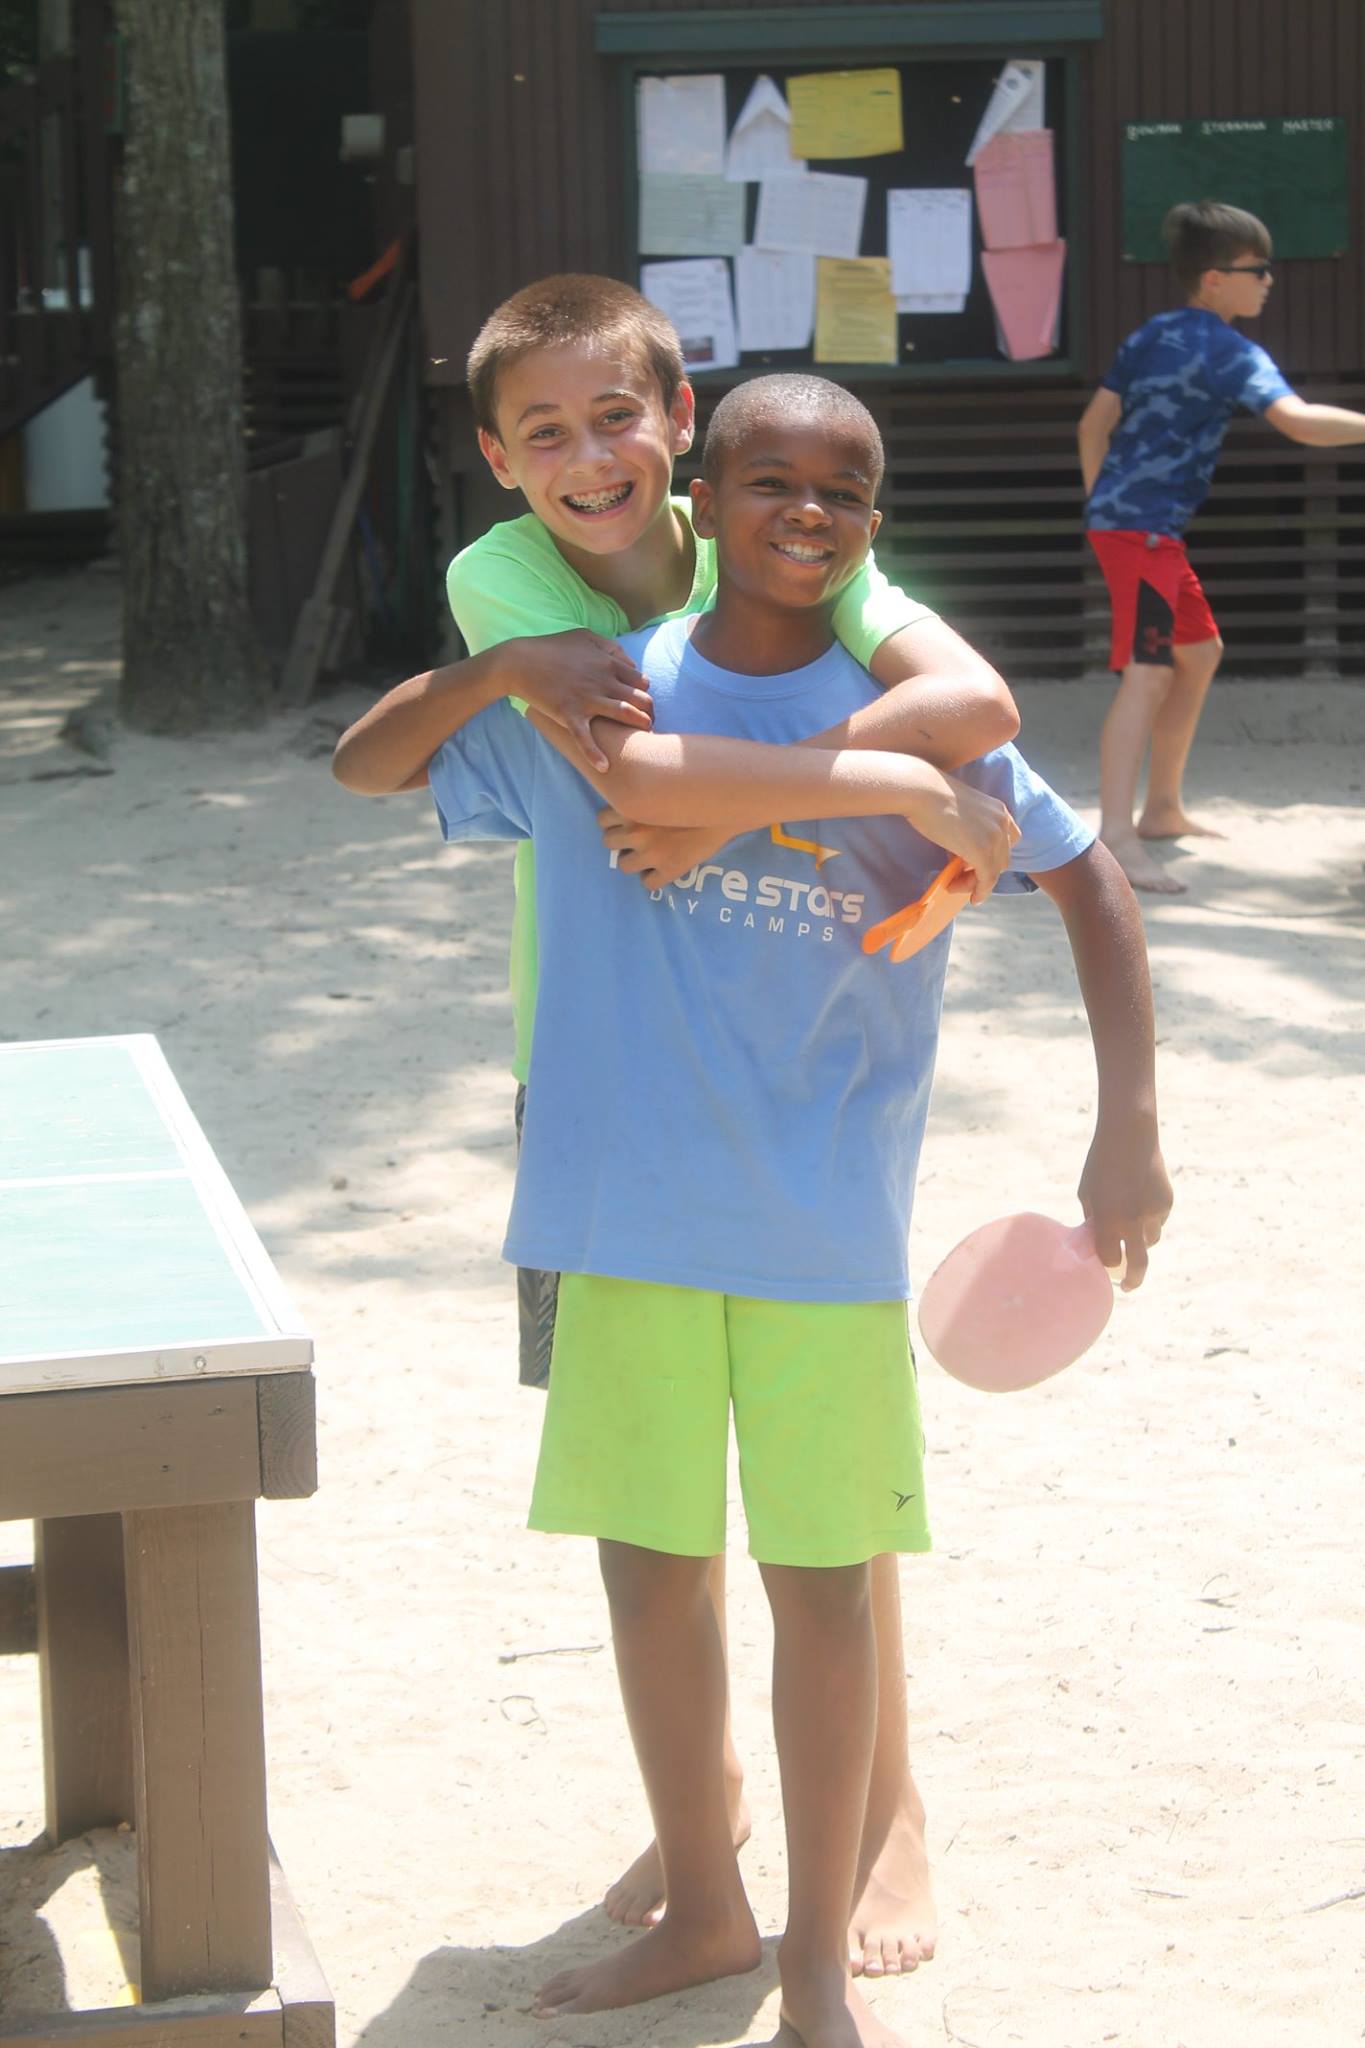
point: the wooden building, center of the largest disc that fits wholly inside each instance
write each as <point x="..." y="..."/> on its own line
<point x="525" y="134"/>
<point x="311" y="215"/>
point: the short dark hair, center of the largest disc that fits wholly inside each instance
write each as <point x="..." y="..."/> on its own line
<point x="789" y="400"/>
<point x="559" y="312"/>
<point x="1203" y="234"/>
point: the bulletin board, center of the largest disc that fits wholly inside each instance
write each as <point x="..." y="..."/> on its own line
<point x="942" y="101"/>
<point x="1291" y="173"/>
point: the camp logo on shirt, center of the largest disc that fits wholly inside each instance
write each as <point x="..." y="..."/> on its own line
<point x="737" y="898"/>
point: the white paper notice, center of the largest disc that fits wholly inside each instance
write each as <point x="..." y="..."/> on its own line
<point x="684" y="215"/>
<point x="931" y="302"/>
<point x="929" y="241"/>
<point x="775" y="290"/>
<point x="696" y="298"/>
<point x="760" y="141"/>
<point x="821" y="212"/>
<point x="1017" y="102"/>
<point x="680" y="124"/>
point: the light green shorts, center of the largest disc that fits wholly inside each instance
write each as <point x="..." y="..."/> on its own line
<point x="831" y="1452"/>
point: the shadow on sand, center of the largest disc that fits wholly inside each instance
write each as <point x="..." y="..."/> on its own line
<point x="41" y="1975"/>
<point x="485" y="1995"/>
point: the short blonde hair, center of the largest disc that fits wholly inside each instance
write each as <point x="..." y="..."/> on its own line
<point x="573" y="309"/>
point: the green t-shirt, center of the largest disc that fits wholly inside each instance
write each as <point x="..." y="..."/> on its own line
<point x="513" y="583"/>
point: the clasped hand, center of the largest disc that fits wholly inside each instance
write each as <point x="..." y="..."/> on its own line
<point x="577" y="676"/>
<point x="977" y="828"/>
<point x="659" y="854"/>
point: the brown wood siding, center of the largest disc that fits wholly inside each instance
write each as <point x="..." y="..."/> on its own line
<point x="518" y="120"/>
<point x="1176" y="59"/>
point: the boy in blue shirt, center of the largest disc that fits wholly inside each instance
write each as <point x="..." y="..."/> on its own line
<point x="579" y="394"/>
<point x="1149" y="440"/>
<point x="731" y="1220"/>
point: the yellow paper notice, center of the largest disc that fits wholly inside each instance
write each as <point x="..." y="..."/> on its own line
<point x="855" y="313"/>
<point x="846" y="113"/>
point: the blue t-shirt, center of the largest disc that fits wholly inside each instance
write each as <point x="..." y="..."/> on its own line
<point x="1181" y="378"/>
<point x="725" y="1092"/>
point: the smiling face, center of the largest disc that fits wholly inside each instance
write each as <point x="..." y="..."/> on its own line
<point x="791" y="511"/>
<point x="588" y="441"/>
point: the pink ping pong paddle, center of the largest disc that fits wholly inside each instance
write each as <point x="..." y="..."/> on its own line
<point x="1016" y="1301"/>
<point x="910" y="930"/>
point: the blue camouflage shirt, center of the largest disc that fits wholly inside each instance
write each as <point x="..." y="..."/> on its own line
<point x="1181" y="377"/>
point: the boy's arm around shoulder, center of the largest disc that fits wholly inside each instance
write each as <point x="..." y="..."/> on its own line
<point x="941" y="703"/>
<point x="943" y="700"/>
<point x="388" y="747"/>
<point x="530" y="644"/>
<point x="1124" y="1189"/>
<point x="573" y="677"/>
<point x="703" y="779"/>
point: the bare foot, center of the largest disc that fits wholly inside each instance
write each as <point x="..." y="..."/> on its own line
<point x="895" y="1925"/>
<point x="1141" y="870"/>
<point x="1168" y="821"/>
<point x="637" y="1897"/>
<point x="821" y="2007"/>
<point x="669" y="1957"/>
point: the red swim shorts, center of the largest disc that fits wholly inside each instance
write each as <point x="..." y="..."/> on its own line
<point x="1156" y="600"/>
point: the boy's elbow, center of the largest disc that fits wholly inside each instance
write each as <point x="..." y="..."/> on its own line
<point x="347" y="770"/>
<point x="1002" y="713"/>
<point x="992" y="711"/>
<point x="362" y="777"/>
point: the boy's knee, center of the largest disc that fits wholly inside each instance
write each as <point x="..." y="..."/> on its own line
<point x="1148" y="679"/>
<point x="638" y="1581"/>
<point x="821" y="1596"/>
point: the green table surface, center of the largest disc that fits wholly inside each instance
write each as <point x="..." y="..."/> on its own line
<point x="123" y="1251"/>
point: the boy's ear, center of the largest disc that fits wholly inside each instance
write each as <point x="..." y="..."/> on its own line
<point x="872" y="529"/>
<point x="495" y="455"/>
<point x="702" y="498"/>
<point x="683" y="416"/>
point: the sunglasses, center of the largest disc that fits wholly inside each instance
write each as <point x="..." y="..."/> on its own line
<point x="1261" y="270"/>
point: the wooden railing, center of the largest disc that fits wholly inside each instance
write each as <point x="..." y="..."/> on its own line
<point x="56" y="228"/>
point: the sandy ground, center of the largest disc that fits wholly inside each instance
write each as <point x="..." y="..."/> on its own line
<point x="1136" y="1652"/>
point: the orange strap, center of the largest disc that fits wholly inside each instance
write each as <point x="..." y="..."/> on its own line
<point x="902" y="921"/>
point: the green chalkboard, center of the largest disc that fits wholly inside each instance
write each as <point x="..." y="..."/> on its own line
<point x="1290" y="172"/>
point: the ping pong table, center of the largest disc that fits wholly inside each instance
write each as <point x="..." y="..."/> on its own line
<point x="154" y="1383"/>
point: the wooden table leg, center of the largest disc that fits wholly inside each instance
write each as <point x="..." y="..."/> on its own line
<point x="198" y="1749"/>
<point x="83" y="1673"/>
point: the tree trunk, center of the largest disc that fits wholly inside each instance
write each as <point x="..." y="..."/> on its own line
<point x="190" y="655"/>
